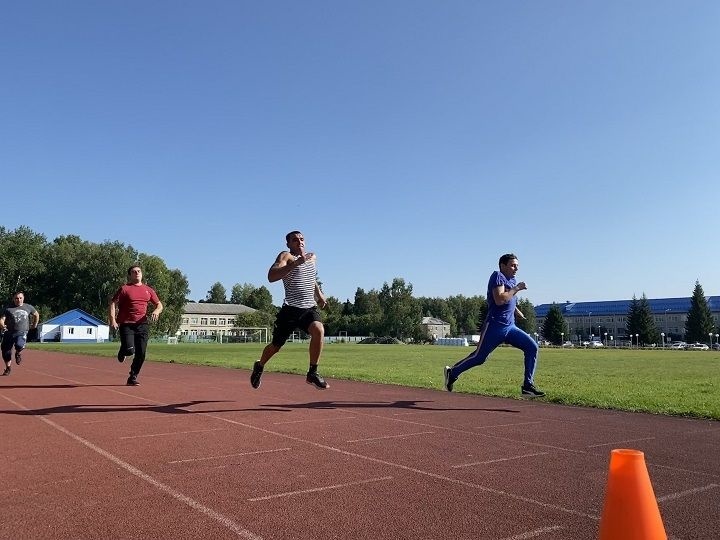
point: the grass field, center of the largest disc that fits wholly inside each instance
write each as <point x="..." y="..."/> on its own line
<point x="685" y="383"/>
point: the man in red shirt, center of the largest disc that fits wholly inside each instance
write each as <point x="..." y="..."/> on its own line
<point x="128" y="312"/>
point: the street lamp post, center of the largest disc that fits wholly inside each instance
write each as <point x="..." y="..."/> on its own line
<point x="589" y="322"/>
<point x="667" y="327"/>
<point x="536" y="337"/>
<point x="710" y="334"/>
<point x="562" y="338"/>
<point x="637" y="338"/>
<point x="662" y="335"/>
<point x="605" y="340"/>
<point x="611" y="341"/>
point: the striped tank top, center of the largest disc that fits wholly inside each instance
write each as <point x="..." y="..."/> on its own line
<point x="300" y="285"/>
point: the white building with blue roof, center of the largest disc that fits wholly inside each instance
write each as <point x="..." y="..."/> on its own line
<point x="607" y="320"/>
<point x="75" y="326"/>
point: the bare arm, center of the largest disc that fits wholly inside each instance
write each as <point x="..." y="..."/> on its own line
<point x="157" y="311"/>
<point x="111" y="315"/>
<point x="2" y="323"/>
<point x="320" y="297"/>
<point x="284" y="264"/>
<point x="519" y="313"/>
<point x="503" y="296"/>
<point x="36" y="319"/>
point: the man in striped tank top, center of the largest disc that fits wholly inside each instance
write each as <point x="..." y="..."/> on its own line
<point x="296" y="268"/>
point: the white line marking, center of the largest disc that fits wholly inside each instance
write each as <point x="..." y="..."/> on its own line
<point x="508" y="425"/>
<point x="126" y="419"/>
<point x="535" y="533"/>
<point x="207" y="458"/>
<point x="497" y="460"/>
<point x="315" y="420"/>
<point x="673" y="496"/>
<point x="409" y="469"/>
<point x="392" y="436"/>
<point x="314" y="490"/>
<point x="238" y="529"/>
<point x="169" y="433"/>
<point x="620" y="442"/>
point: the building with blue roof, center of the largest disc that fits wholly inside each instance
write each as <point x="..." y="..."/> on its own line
<point x="607" y="320"/>
<point x="75" y="326"/>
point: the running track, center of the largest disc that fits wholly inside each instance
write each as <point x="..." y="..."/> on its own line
<point x="195" y="453"/>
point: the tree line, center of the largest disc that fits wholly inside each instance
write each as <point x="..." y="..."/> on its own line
<point x="699" y="323"/>
<point x="70" y="273"/>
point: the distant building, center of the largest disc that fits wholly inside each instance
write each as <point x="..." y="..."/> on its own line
<point x="75" y="326"/>
<point x="202" y="319"/>
<point x="607" y="320"/>
<point x="435" y="328"/>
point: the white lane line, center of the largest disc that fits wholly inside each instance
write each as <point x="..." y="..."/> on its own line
<point x="126" y="419"/>
<point x="146" y="435"/>
<point x="315" y="420"/>
<point x="496" y="460"/>
<point x="680" y="494"/>
<point x="225" y="521"/>
<point x="392" y="436"/>
<point x="314" y="490"/>
<point x="507" y="425"/>
<point x="406" y="468"/>
<point x="535" y="533"/>
<point x="208" y="458"/>
<point x="614" y="443"/>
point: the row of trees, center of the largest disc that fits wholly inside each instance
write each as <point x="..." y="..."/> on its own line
<point x="70" y="273"/>
<point x="392" y="311"/>
<point x="640" y="321"/>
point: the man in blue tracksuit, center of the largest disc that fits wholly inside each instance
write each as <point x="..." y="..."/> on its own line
<point x="499" y="327"/>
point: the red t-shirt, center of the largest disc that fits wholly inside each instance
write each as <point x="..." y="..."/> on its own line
<point x="132" y="301"/>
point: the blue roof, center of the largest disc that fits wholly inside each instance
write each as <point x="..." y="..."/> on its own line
<point x="621" y="307"/>
<point x="76" y="317"/>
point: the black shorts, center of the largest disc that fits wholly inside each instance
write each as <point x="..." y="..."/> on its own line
<point x="289" y="318"/>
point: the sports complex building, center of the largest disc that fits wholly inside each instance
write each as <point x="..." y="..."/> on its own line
<point x="607" y="320"/>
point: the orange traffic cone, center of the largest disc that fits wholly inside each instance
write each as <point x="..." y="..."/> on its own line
<point x="631" y="511"/>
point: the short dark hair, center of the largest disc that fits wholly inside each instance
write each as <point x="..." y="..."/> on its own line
<point x="133" y="266"/>
<point x="291" y="234"/>
<point x="507" y="258"/>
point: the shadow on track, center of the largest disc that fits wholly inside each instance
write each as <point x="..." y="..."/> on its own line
<point x="172" y="408"/>
<point x="399" y="404"/>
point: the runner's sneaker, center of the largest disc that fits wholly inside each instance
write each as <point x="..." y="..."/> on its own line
<point x="132" y="381"/>
<point x="314" y="378"/>
<point x="449" y="379"/>
<point x="18" y="357"/>
<point x="256" y="374"/>
<point x="7" y="371"/>
<point x="529" y="390"/>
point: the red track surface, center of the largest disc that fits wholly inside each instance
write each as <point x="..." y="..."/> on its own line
<point x="195" y="452"/>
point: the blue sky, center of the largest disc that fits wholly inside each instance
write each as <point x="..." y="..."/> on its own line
<point x="409" y="139"/>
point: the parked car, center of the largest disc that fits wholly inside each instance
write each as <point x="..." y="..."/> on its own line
<point x="568" y="344"/>
<point x="716" y="347"/>
<point x="698" y="347"/>
<point x="595" y="344"/>
<point x="678" y="345"/>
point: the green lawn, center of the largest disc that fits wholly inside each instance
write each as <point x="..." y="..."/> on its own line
<point x="683" y="383"/>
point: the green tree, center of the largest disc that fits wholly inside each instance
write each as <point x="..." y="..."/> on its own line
<point x="529" y="323"/>
<point x="22" y="263"/>
<point x="217" y="294"/>
<point x="699" y="323"/>
<point x="641" y="323"/>
<point x="261" y="299"/>
<point x="554" y="325"/>
<point x="400" y="312"/>
<point x="255" y="319"/>
<point x="240" y="293"/>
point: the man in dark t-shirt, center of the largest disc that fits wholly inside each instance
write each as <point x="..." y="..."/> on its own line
<point x="128" y="313"/>
<point x="16" y="321"/>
